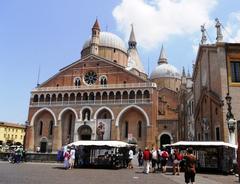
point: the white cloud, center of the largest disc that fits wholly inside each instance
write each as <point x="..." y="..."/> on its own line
<point x="156" y="21"/>
<point x="232" y="29"/>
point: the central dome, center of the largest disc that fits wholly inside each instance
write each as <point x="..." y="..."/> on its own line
<point x="107" y="39"/>
<point x="165" y="70"/>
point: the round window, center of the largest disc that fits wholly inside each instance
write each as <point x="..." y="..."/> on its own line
<point x="90" y="77"/>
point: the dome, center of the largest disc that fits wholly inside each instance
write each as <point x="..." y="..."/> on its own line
<point x="165" y="70"/>
<point x="108" y="40"/>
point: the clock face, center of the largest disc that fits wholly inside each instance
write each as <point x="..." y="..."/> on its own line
<point x="90" y="77"/>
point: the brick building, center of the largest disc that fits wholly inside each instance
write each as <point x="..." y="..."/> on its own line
<point x="105" y="95"/>
<point x="216" y="73"/>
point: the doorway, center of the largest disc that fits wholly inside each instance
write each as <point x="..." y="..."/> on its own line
<point x="43" y="147"/>
<point x="84" y="132"/>
<point x="165" y="139"/>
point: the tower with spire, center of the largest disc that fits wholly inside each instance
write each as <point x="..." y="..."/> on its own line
<point x="132" y="44"/>
<point x="95" y="38"/>
<point x="133" y="57"/>
<point x="163" y="57"/>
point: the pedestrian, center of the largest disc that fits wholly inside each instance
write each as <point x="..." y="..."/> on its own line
<point x="140" y="158"/>
<point x="177" y="157"/>
<point x="165" y="156"/>
<point x="146" y="159"/>
<point x="72" y="157"/>
<point x="66" y="159"/>
<point x="190" y="168"/>
<point x="130" y="157"/>
<point x="154" y="159"/>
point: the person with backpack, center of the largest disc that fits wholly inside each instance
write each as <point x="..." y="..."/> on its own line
<point x="140" y="158"/>
<point x="165" y="156"/>
<point x="146" y="157"/>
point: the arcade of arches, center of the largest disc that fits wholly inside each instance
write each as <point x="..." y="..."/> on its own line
<point x="69" y="128"/>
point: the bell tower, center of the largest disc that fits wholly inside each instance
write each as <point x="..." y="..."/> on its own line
<point x="95" y="38"/>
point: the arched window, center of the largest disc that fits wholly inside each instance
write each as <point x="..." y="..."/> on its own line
<point x="41" y="98"/>
<point x="51" y="127"/>
<point x="40" y="128"/>
<point x="72" y="97"/>
<point x="77" y="81"/>
<point x="35" y="98"/>
<point x="126" y="129"/>
<point x="139" y="129"/>
<point x="47" y="98"/>
<point x="146" y="94"/>
<point x="53" y="98"/>
<point x="91" y="96"/>
<point x="86" y="114"/>
<point x="59" y="98"/>
<point x="103" y="80"/>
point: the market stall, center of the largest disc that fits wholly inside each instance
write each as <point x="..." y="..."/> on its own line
<point x="214" y="156"/>
<point x="111" y="154"/>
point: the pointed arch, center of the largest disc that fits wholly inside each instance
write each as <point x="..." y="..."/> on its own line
<point x="65" y="109"/>
<point x="104" y="107"/>
<point x="39" y="111"/>
<point x="82" y="109"/>
<point x="132" y="106"/>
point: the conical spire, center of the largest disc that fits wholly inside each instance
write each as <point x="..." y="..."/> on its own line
<point x="188" y="74"/>
<point x="132" y="41"/>
<point x="96" y="25"/>
<point x="183" y="72"/>
<point x="162" y="58"/>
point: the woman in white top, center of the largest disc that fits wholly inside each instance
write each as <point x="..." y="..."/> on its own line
<point x="72" y="157"/>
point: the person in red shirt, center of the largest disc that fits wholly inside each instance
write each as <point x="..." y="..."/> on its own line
<point x="176" y="161"/>
<point x="146" y="158"/>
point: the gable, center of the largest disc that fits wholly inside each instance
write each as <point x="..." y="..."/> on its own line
<point x="114" y="73"/>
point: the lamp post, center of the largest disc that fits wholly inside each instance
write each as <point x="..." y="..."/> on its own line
<point x="231" y="122"/>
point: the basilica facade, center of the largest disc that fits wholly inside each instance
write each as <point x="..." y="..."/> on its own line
<point x="105" y="95"/>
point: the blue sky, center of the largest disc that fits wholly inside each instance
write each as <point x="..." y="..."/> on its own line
<point x="50" y="34"/>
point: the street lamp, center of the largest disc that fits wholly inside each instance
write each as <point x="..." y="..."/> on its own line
<point x="230" y="119"/>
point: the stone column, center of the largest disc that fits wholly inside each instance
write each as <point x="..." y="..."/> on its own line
<point x="30" y="139"/>
<point x="57" y="136"/>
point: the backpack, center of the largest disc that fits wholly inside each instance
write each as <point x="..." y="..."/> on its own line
<point x="165" y="154"/>
<point x="140" y="155"/>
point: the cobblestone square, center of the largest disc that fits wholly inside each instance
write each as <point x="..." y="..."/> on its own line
<point x="45" y="173"/>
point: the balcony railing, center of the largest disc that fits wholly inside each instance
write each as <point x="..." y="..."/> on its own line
<point x="92" y="102"/>
<point x="86" y="87"/>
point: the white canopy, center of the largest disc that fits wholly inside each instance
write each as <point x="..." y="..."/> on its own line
<point x="203" y="143"/>
<point x="101" y="143"/>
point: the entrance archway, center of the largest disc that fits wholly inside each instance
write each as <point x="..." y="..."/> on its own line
<point x="43" y="145"/>
<point x="84" y="132"/>
<point x="165" y="139"/>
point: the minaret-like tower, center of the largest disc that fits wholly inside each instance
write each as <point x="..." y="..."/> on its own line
<point x="95" y="38"/>
<point x="132" y="44"/>
<point x="218" y="25"/>
<point x="184" y="79"/>
<point x="134" y="60"/>
<point x="162" y="58"/>
<point x="204" y="38"/>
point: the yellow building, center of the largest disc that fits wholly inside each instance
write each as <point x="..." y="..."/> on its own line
<point x="11" y="133"/>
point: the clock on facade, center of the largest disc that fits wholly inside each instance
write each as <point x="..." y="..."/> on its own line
<point x="90" y="77"/>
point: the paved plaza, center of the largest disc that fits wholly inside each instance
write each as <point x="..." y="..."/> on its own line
<point x="45" y="173"/>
